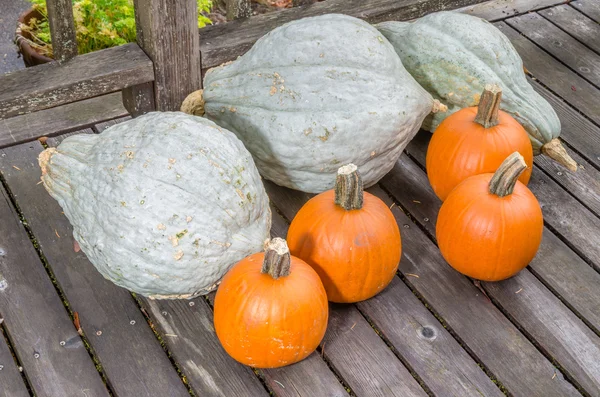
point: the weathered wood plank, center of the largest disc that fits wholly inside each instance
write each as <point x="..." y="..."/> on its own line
<point x="236" y="9"/>
<point x="62" y="29"/>
<point x="37" y="320"/>
<point x="500" y="9"/>
<point x="561" y="335"/>
<point x="576" y="24"/>
<point x="560" y="44"/>
<point x="66" y="118"/>
<point x="167" y="31"/>
<point x="455" y="374"/>
<point x="225" y="42"/>
<point x="52" y="142"/>
<point x="350" y="345"/>
<point x="10" y="377"/>
<point x="576" y="130"/>
<point x="126" y="344"/>
<point x="89" y="75"/>
<point x="187" y="329"/>
<point x="139" y="99"/>
<point x="556" y="76"/>
<point x="591" y="8"/>
<point x="98" y="128"/>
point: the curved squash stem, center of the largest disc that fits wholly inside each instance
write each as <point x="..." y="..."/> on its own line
<point x="556" y="151"/>
<point x="349" y="188"/>
<point x="277" y="259"/>
<point x="194" y="104"/>
<point x="505" y="178"/>
<point x="489" y="105"/>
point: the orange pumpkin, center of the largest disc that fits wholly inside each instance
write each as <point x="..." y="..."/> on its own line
<point x="271" y="309"/>
<point x="473" y="141"/>
<point x="490" y="226"/>
<point x="349" y="237"/>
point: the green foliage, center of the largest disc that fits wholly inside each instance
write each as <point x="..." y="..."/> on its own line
<point x="99" y="24"/>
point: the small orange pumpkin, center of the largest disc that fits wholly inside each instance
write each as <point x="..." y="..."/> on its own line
<point x="349" y="237"/>
<point x="473" y="141"/>
<point x="490" y="227"/>
<point x="271" y="309"/>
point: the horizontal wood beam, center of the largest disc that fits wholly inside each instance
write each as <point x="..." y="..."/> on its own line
<point x="62" y="119"/>
<point x="85" y="76"/>
<point x="224" y="42"/>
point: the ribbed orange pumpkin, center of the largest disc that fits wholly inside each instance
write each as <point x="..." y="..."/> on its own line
<point x="271" y="309"/>
<point x="490" y="227"/>
<point x="349" y="237"/>
<point x="473" y="141"/>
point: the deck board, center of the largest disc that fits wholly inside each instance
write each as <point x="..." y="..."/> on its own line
<point x="502" y="9"/>
<point x="576" y="24"/>
<point x="10" y="377"/>
<point x="124" y="350"/>
<point x="591" y="8"/>
<point x="36" y="319"/>
<point x="554" y="327"/>
<point x="559" y="44"/>
<point x="443" y="366"/>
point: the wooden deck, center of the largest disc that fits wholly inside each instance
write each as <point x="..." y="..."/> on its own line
<point x="431" y="332"/>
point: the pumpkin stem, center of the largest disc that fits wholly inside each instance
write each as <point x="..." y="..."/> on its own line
<point x="277" y="259"/>
<point x="556" y="151"/>
<point x="489" y="105"/>
<point x="194" y="103"/>
<point x="349" y="188"/>
<point x="505" y="178"/>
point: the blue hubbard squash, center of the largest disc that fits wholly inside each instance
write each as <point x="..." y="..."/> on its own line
<point x="315" y="94"/>
<point x="163" y="204"/>
<point x="453" y="56"/>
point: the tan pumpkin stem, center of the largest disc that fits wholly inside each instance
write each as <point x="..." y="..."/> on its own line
<point x="505" y="178"/>
<point x="194" y="103"/>
<point x="349" y="188"/>
<point x="556" y="151"/>
<point x="277" y="259"/>
<point x="489" y="105"/>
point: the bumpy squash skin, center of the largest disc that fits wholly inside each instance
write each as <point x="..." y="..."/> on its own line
<point x="163" y="204"/>
<point x="453" y="55"/>
<point x="317" y="93"/>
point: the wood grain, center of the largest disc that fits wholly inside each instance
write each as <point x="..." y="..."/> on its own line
<point x="139" y="99"/>
<point x="86" y="76"/>
<point x="62" y="29"/>
<point x="560" y="44"/>
<point x="524" y="298"/>
<point x="98" y="128"/>
<point x="500" y="9"/>
<point x="225" y="42"/>
<point x="37" y="320"/>
<point x="557" y="77"/>
<point x="126" y="344"/>
<point x="66" y="118"/>
<point x="576" y="24"/>
<point x="167" y="30"/>
<point x="591" y="8"/>
<point x="236" y="9"/>
<point x="10" y="377"/>
<point x="186" y="326"/>
<point x="444" y="367"/>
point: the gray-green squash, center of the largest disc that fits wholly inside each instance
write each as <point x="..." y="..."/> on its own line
<point x="315" y="94"/>
<point x="454" y="55"/>
<point x="163" y="204"/>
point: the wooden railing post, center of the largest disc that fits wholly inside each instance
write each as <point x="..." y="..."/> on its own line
<point x="238" y="9"/>
<point x="167" y="30"/>
<point x="62" y="29"/>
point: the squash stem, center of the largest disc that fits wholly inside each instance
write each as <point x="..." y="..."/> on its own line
<point x="557" y="152"/>
<point x="505" y="178"/>
<point x="349" y="188"/>
<point x="277" y="259"/>
<point x="489" y="105"/>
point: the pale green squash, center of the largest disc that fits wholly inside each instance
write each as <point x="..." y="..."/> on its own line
<point x="454" y="55"/>
<point x="163" y="204"/>
<point x="315" y="94"/>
